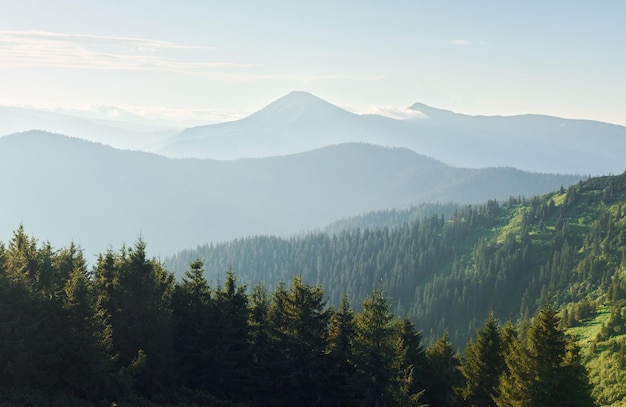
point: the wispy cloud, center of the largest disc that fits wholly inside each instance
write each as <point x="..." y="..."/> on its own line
<point x="43" y="49"/>
<point x="80" y="51"/>
<point x="149" y="116"/>
<point x="392" y="112"/>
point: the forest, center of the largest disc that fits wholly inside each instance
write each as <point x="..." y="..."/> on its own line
<point x="128" y="333"/>
<point x="448" y="273"/>
<point x="501" y="304"/>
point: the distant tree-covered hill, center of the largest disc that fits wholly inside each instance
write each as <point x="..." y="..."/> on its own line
<point x="568" y="246"/>
<point x="448" y="273"/>
<point x="66" y="189"/>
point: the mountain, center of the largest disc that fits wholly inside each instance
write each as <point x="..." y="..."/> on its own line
<point x="64" y="189"/>
<point x="118" y="134"/>
<point x="566" y="248"/>
<point x="295" y="123"/>
<point x="448" y="273"/>
<point x="300" y="121"/>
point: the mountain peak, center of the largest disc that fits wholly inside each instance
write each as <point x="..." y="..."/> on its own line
<point x="301" y="97"/>
<point x="296" y="104"/>
<point x="430" y="111"/>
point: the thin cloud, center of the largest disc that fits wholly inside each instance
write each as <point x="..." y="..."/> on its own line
<point x="42" y="49"/>
<point x="79" y="51"/>
<point x="392" y="112"/>
<point x="160" y="116"/>
<point x="86" y="38"/>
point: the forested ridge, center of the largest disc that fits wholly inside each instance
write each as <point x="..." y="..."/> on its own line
<point x="499" y="304"/>
<point x="127" y="334"/>
<point x="448" y="273"/>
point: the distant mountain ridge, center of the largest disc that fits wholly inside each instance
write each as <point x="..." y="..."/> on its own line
<point x="119" y="134"/>
<point x="65" y="189"/>
<point x="299" y="122"/>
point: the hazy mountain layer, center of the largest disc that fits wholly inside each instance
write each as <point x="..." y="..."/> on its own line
<point x="118" y="134"/>
<point x="300" y="121"/>
<point x="65" y="189"/>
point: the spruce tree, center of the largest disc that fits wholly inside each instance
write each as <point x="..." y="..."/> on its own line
<point x="88" y="360"/>
<point x="230" y="337"/>
<point x="442" y="374"/>
<point x="413" y="364"/>
<point x="546" y="371"/>
<point x="192" y="312"/>
<point x="299" y="327"/>
<point x="481" y="366"/>
<point x="136" y="292"/>
<point x="376" y="353"/>
<point x="341" y="379"/>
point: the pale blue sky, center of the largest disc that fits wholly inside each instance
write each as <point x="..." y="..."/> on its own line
<point x="218" y="60"/>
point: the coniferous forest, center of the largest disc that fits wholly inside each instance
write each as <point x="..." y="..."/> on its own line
<point x="515" y="304"/>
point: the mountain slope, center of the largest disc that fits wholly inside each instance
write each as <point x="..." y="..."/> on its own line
<point x="65" y="189"/>
<point x="448" y="274"/>
<point x="117" y="134"/>
<point x="300" y="121"/>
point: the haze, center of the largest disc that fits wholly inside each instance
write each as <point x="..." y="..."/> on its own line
<point x="189" y="63"/>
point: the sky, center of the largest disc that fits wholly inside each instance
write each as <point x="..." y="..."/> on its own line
<point x="191" y="61"/>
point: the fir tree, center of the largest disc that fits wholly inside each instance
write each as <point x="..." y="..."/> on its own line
<point x="375" y="352"/>
<point x="413" y="364"/>
<point x="341" y="378"/>
<point x="545" y="372"/>
<point x="192" y="311"/>
<point x="442" y="374"/>
<point x="299" y="327"/>
<point x="482" y="365"/>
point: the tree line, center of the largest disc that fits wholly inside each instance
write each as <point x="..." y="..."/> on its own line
<point x="127" y="331"/>
<point x="447" y="272"/>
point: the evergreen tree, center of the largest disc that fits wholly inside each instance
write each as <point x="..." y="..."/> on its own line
<point x="412" y="364"/>
<point x="482" y="365"/>
<point x="136" y="293"/>
<point x="546" y="348"/>
<point x="88" y="360"/>
<point x="299" y="327"/>
<point x="192" y="312"/>
<point x="545" y="372"/>
<point x="443" y="373"/>
<point x="341" y="377"/>
<point x="230" y="339"/>
<point x="375" y="352"/>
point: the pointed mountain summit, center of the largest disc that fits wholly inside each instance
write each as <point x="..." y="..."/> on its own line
<point x="432" y="112"/>
<point x="298" y="105"/>
<point x="294" y="123"/>
<point x="300" y="121"/>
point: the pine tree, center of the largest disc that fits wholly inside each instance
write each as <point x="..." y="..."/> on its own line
<point x="546" y="348"/>
<point x="413" y="364"/>
<point x="88" y="360"/>
<point x="442" y="374"/>
<point x="192" y="313"/>
<point x="299" y="328"/>
<point x="482" y="365"/>
<point x="231" y="364"/>
<point x="136" y="293"/>
<point x="375" y="352"/>
<point x="545" y="372"/>
<point x="341" y="378"/>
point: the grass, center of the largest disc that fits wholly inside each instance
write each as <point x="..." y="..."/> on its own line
<point x="587" y="331"/>
<point x="601" y="360"/>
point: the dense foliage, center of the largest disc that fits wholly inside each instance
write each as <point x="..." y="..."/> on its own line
<point x="449" y="272"/>
<point x="127" y="333"/>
